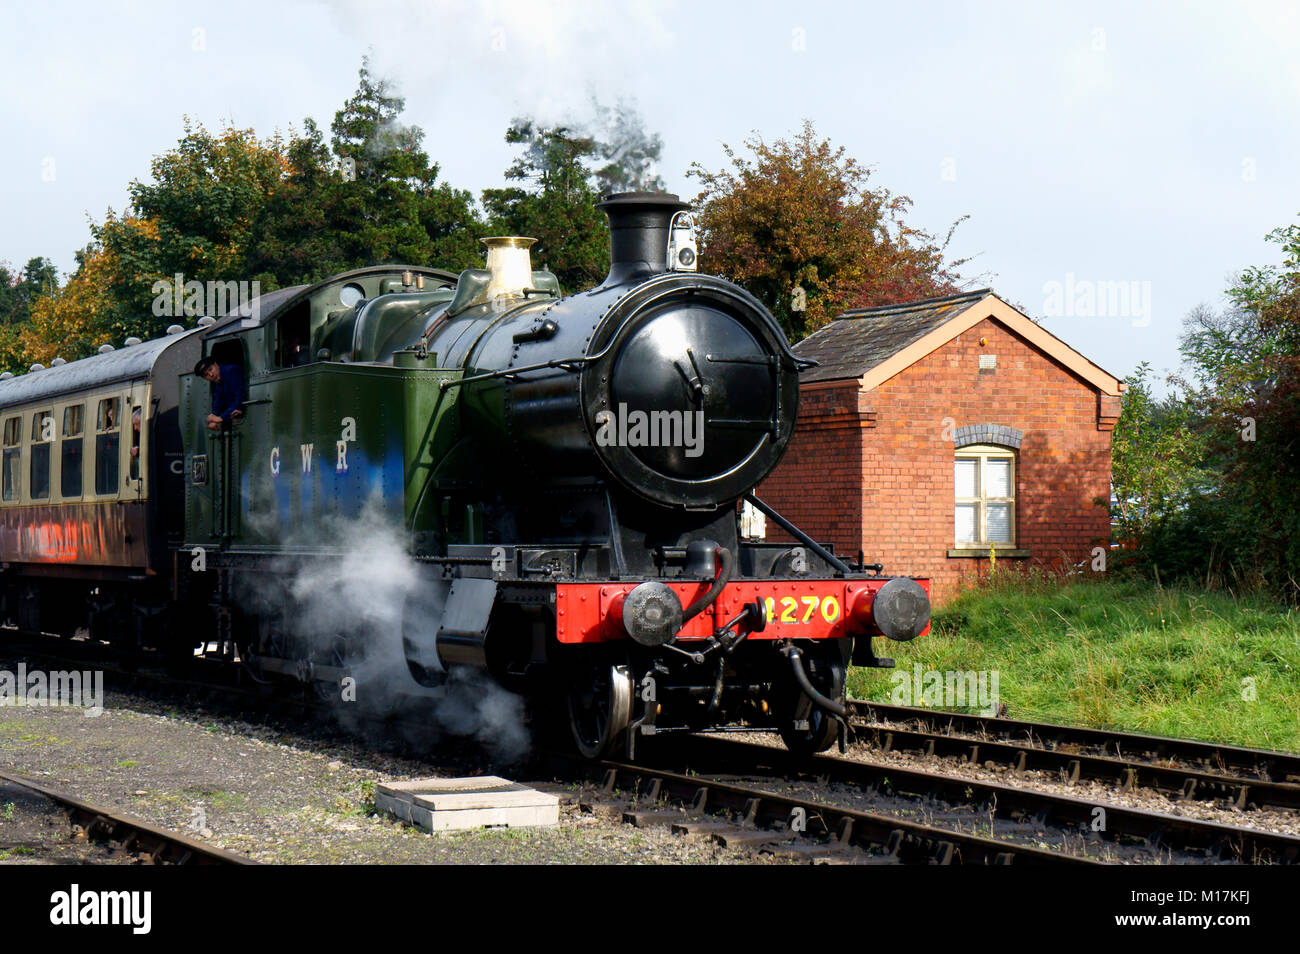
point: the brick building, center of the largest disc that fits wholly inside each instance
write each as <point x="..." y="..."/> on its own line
<point x="932" y="432"/>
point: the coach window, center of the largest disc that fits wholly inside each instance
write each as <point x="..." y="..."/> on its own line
<point x="71" y="459"/>
<point x="42" y="438"/>
<point x="137" y="421"/>
<point x="985" y="506"/>
<point x="107" y="427"/>
<point x="13" y="457"/>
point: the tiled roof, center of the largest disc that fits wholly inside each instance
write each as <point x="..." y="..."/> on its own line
<point x="858" y="340"/>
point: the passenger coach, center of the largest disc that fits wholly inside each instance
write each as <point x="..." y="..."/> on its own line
<point x="92" y="489"/>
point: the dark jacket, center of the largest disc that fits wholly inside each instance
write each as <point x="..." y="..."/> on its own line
<point x="228" y="392"/>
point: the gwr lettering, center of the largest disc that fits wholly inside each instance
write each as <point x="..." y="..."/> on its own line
<point x="306" y="456"/>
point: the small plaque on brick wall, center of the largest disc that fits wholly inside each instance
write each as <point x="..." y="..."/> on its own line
<point x="988" y="362"/>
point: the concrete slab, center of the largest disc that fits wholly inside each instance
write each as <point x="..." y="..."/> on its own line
<point x="454" y="804"/>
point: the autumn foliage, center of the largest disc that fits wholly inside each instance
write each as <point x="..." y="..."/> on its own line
<point x="798" y="214"/>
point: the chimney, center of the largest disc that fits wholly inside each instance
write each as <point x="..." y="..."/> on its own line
<point x="638" y="233"/>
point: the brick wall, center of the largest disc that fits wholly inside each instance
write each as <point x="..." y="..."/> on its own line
<point x="896" y="502"/>
<point x="817" y="484"/>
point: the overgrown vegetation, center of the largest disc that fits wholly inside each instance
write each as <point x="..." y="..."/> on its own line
<point x="1124" y="654"/>
<point x="1205" y="480"/>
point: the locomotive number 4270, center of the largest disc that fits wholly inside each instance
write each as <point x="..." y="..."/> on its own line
<point x="789" y="609"/>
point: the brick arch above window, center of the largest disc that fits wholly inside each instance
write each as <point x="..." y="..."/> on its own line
<point x="998" y="434"/>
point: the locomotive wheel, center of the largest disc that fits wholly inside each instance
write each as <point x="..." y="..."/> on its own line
<point x="822" y="730"/>
<point x="337" y="653"/>
<point x="600" y="709"/>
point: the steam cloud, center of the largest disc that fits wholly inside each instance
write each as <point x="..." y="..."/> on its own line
<point x="361" y="592"/>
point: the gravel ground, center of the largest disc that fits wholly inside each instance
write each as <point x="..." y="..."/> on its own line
<point x="285" y="795"/>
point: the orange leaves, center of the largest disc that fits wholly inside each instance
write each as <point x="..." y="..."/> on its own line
<point x="798" y="214"/>
<point x="74" y="320"/>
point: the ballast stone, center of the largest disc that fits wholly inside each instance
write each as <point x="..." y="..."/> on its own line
<point x="456" y="804"/>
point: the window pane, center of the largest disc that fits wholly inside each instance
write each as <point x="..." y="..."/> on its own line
<point x="72" y="418"/>
<point x="998" y="519"/>
<point x="137" y="419"/>
<point x="997" y="478"/>
<point x="13" y="463"/>
<point x="12" y="435"/>
<point x="43" y="426"/>
<point x="966" y="477"/>
<point x="108" y="417"/>
<point x="965" y="519"/>
<point x="106" y="464"/>
<point x="40" y="471"/>
<point x="70" y="479"/>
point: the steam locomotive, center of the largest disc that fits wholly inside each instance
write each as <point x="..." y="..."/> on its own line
<point x="569" y="476"/>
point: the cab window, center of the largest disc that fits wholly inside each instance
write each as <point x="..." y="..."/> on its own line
<point x="12" y="466"/>
<point x="70" y="451"/>
<point x="293" y="337"/>
<point x="107" y="430"/>
<point x="42" y="438"/>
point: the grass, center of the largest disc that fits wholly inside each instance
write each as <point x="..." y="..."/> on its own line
<point x="1119" y="654"/>
<point x="366" y="804"/>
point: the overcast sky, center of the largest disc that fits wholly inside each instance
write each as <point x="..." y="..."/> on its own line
<point x="1147" y="144"/>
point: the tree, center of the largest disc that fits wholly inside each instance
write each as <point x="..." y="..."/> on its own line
<point x="799" y="215"/>
<point x="17" y="292"/>
<point x="74" y="320"/>
<point x="1157" y="465"/>
<point x="559" y="209"/>
<point x="233" y="207"/>
<point x="195" y="218"/>
<point x="1246" y="367"/>
<point x="372" y="199"/>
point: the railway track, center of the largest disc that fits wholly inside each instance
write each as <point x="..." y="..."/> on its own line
<point x="1194" y="839"/>
<point x="726" y="790"/>
<point x="130" y="838"/>
<point x="755" y="816"/>
<point x="1182" y="768"/>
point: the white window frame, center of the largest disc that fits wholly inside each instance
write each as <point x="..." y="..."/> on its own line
<point x="984" y="453"/>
